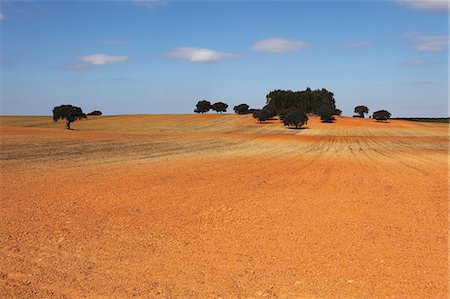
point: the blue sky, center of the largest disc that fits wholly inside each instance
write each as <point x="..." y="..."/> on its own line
<point x="162" y="56"/>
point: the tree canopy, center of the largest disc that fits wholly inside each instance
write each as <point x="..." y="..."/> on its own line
<point x="361" y="110"/>
<point x="241" y="109"/>
<point x="261" y="115"/>
<point x="69" y="113"/>
<point x="381" y="115"/>
<point x="295" y="117"/>
<point x="203" y="107"/>
<point x="326" y="113"/>
<point x="219" y="107"/>
<point x="95" y="112"/>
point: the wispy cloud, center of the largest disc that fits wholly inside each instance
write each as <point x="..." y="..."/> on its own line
<point x="113" y="42"/>
<point x="102" y="59"/>
<point x="149" y="3"/>
<point x="2" y="16"/>
<point x="427" y="5"/>
<point x="355" y="44"/>
<point x="428" y="43"/>
<point x="198" y="54"/>
<point x="280" y="45"/>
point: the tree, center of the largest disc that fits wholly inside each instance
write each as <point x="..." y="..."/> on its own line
<point x="69" y="113"/>
<point x="361" y="110"/>
<point x="261" y="115"/>
<point x="219" y="107"/>
<point x="203" y="106"/>
<point x="95" y="112"/>
<point x="295" y="117"/>
<point x="326" y="113"/>
<point x="381" y="115"/>
<point x="337" y="112"/>
<point x="241" y="109"/>
<point x="270" y="111"/>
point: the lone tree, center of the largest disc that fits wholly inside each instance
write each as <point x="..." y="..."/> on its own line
<point x="203" y="106"/>
<point x="219" y="107"/>
<point x="69" y="113"/>
<point x="361" y="110"/>
<point x="295" y="117"/>
<point x="381" y="115"/>
<point x="95" y="112"/>
<point x="261" y="115"/>
<point x="241" y="109"/>
<point x="326" y="113"/>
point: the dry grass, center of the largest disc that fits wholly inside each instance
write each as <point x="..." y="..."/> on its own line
<point x="222" y="206"/>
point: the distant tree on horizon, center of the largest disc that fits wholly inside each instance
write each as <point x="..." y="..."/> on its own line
<point x="95" y="112"/>
<point x="337" y="112"/>
<point x="381" y="115"/>
<point x="203" y="107"/>
<point x="361" y="110"/>
<point x="219" y="107"/>
<point x="295" y="117"/>
<point x="69" y="113"/>
<point x="241" y="109"/>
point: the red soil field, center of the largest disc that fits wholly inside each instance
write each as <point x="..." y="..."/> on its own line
<point x="202" y="206"/>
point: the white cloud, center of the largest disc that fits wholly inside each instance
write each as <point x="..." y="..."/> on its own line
<point x="355" y="44"/>
<point x="428" y="5"/>
<point x="2" y="16"/>
<point x="101" y="59"/>
<point x="428" y="43"/>
<point x="279" y="45"/>
<point x="198" y="54"/>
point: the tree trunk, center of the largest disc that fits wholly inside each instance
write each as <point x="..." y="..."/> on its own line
<point x="68" y="125"/>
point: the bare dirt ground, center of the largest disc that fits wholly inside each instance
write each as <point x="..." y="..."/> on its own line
<point x="208" y="206"/>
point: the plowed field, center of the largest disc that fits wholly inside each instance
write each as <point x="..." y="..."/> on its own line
<point x="202" y="206"/>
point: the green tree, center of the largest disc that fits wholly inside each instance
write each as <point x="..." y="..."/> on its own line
<point x="381" y="115"/>
<point x="69" y="113"/>
<point x="261" y="115"/>
<point x="241" y="109"/>
<point x="203" y="107"/>
<point x="219" y="107"/>
<point x="295" y="117"/>
<point x="326" y="113"/>
<point x="95" y="112"/>
<point x="361" y="110"/>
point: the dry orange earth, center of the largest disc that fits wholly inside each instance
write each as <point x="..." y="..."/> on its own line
<point x="221" y="206"/>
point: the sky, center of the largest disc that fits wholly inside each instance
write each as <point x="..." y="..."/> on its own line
<point x="158" y="56"/>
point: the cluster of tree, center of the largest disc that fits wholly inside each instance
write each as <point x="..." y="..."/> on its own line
<point x="425" y="119"/>
<point x="380" y="115"/>
<point x="204" y="106"/>
<point x="293" y="107"/>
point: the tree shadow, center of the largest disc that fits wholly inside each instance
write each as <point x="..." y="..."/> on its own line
<point x="299" y="128"/>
